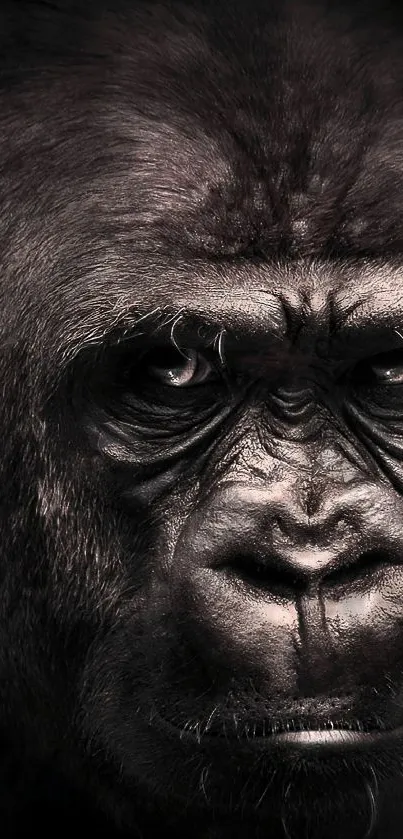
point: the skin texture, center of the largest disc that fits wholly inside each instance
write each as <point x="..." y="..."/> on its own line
<point x="201" y="416"/>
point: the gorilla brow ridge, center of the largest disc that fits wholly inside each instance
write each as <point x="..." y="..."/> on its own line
<point x="159" y="318"/>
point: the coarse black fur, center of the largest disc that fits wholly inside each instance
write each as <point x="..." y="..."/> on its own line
<point x="222" y="177"/>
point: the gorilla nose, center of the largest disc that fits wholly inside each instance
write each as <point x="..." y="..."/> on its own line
<point x="269" y="539"/>
<point x="275" y="589"/>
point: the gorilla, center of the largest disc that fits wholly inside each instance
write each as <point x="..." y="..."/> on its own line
<point x="201" y="416"/>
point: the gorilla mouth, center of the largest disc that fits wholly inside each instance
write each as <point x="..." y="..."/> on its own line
<point x="299" y="730"/>
<point x="270" y="728"/>
<point x="326" y="736"/>
<point x="303" y="732"/>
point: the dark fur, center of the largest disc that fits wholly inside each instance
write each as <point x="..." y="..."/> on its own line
<point x="142" y="148"/>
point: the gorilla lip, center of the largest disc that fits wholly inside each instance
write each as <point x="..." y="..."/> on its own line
<point x="338" y="738"/>
<point x="324" y="741"/>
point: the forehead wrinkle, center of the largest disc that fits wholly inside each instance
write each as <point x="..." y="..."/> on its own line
<point x="346" y="294"/>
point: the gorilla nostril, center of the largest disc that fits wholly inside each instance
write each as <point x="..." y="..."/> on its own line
<point x="266" y="574"/>
<point x="285" y="578"/>
<point x="363" y="568"/>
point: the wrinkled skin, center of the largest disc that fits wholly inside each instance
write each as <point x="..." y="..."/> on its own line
<point x="201" y="419"/>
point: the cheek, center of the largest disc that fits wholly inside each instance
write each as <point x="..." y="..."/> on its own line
<point x="381" y="433"/>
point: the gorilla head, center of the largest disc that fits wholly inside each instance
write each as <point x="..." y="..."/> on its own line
<point x="201" y="370"/>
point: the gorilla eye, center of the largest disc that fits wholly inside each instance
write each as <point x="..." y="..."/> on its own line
<point x="387" y="368"/>
<point x="383" y="370"/>
<point x="178" y="369"/>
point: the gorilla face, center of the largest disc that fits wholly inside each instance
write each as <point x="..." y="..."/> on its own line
<point x="202" y="411"/>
